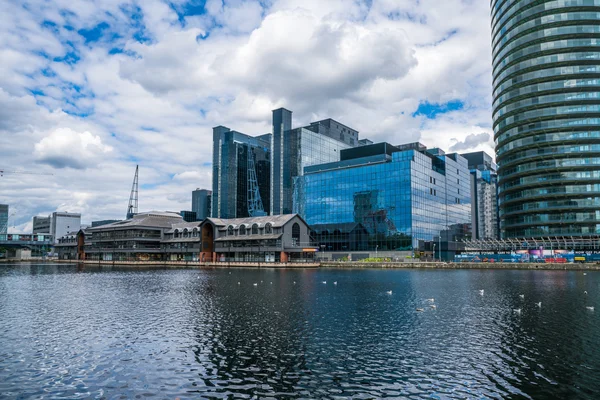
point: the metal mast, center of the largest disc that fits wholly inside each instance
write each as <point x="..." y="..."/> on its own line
<point x="255" y="205"/>
<point x="132" y="209"/>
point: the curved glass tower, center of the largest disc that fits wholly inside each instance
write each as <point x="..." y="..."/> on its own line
<point x="546" y="110"/>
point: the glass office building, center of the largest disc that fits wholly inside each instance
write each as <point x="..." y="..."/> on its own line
<point x="201" y="204"/>
<point x="546" y="111"/>
<point x="294" y="149"/>
<point x="241" y="174"/>
<point x="3" y="219"/>
<point x="383" y="197"/>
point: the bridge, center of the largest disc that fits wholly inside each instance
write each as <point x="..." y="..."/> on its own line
<point x="39" y="244"/>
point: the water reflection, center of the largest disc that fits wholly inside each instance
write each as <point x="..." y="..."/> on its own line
<point x="73" y="332"/>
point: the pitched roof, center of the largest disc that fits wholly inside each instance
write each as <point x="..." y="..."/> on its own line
<point x="153" y="219"/>
<point x="275" y="220"/>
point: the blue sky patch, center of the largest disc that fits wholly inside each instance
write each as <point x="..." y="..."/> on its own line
<point x="94" y="34"/>
<point x="430" y="110"/>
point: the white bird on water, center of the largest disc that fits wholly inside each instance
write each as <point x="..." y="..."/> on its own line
<point x="389" y="292"/>
<point x="324" y="282"/>
<point x="591" y="308"/>
<point x="431" y="300"/>
<point x="522" y="296"/>
<point x="433" y="306"/>
<point x="335" y="283"/>
<point x="539" y="304"/>
<point x="584" y="273"/>
<point x="420" y="310"/>
<point x="517" y="310"/>
<point x="238" y="283"/>
<point x="481" y="292"/>
<point x="294" y="282"/>
<point x="585" y="292"/>
<point x="256" y="284"/>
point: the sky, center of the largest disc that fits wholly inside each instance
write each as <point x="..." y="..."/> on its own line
<point x="90" y="89"/>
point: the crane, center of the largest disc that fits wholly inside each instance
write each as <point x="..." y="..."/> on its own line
<point x="4" y="171"/>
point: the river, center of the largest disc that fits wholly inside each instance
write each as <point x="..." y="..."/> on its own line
<point x="104" y="332"/>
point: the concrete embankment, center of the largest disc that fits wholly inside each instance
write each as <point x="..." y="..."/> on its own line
<point x="438" y="265"/>
<point x="192" y="264"/>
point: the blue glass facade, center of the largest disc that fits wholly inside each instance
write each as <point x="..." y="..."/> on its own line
<point x="295" y="149"/>
<point x="3" y="219"/>
<point x="383" y="198"/>
<point x="241" y="165"/>
<point x="546" y="110"/>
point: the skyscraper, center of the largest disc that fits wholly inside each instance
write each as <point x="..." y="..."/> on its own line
<point x="293" y="149"/>
<point x="484" y="195"/>
<point x="201" y="203"/>
<point x="3" y="219"/>
<point x="546" y="111"/>
<point x="241" y="168"/>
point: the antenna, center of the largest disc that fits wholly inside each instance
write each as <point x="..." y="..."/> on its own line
<point x="132" y="209"/>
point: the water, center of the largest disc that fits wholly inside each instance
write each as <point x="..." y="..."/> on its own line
<point x="121" y="333"/>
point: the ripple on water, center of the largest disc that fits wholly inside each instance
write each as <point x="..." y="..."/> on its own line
<point x="110" y="333"/>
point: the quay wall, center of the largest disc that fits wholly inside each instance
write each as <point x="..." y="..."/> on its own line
<point x="465" y="265"/>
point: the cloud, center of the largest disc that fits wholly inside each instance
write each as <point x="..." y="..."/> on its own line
<point x="65" y="148"/>
<point x="182" y="67"/>
<point x="471" y="141"/>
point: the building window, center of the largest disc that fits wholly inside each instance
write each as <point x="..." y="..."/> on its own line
<point x="268" y="228"/>
<point x="255" y="229"/>
<point x="296" y="233"/>
<point x="230" y="230"/>
<point x="242" y="229"/>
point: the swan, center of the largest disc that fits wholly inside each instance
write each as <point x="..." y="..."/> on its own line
<point x="591" y="308"/>
<point x="522" y="296"/>
<point x="539" y="304"/>
<point x="433" y="306"/>
<point x="517" y="310"/>
<point x="335" y="283"/>
<point x="420" y="310"/>
<point x="481" y="292"/>
<point x="256" y="284"/>
<point x="389" y="292"/>
<point x="585" y="292"/>
<point x="431" y="300"/>
<point x="324" y="282"/>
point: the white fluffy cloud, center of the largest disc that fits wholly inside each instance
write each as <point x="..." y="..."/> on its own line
<point x="91" y="89"/>
<point x="65" y="148"/>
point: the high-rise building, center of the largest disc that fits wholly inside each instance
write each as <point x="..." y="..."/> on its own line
<point x="62" y="223"/>
<point x="484" y="195"/>
<point x="546" y="111"/>
<point x="381" y="197"/>
<point x="201" y="203"/>
<point x="41" y="224"/>
<point x="294" y="149"/>
<point x="241" y="174"/>
<point x="3" y="219"/>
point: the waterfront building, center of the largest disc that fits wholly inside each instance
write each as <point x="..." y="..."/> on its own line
<point x="381" y="199"/>
<point x="188" y="216"/>
<point x="201" y="199"/>
<point x="484" y="196"/>
<point x="71" y="246"/>
<point x="294" y="149"/>
<point x="62" y="223"/>
<point x="41" y="224"/>
<point x="241" y="174"/>
<point x="546" y="112"/>
<point x="182" y="241"/>
<point x="279" y="238"/>
<point x="3" y="219"/>
<point x="135" y="239"/>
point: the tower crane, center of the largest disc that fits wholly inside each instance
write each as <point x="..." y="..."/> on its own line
<point x="4" y="171"/>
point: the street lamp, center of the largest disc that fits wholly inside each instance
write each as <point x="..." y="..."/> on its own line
<point x="434" y="252"/>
